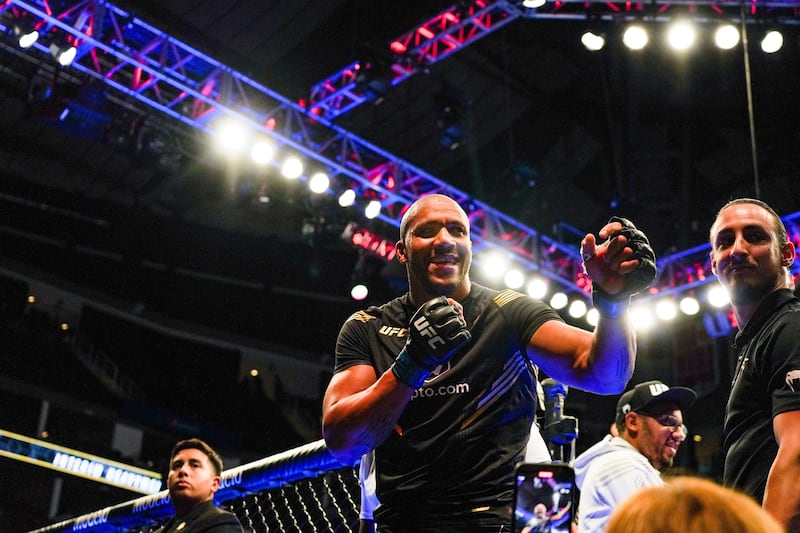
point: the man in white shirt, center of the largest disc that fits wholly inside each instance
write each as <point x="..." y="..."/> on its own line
<point x="649" y="421"/>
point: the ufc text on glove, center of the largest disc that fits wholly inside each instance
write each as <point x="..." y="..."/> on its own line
<point x="437" y="331"/>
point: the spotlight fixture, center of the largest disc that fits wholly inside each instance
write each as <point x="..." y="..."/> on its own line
<point x="593" y="41"/>
<point x="262" y="152"/>
<point x="635" y="37"/>
<point x="373" y="209"/>
<point x="347" y="198"/>
<point x="726" y="37"/>
<point x="319" y="182"/>
<point x="772" y="42"/>
<point x="577" y="308"/>
<point x="514" y="279"/>
<point x="26" y="33"/>
<point x="537" y="288"/>
<point x="63" y="51"/>
<point x="292" y="168"/>
<point x="681" y="36"/>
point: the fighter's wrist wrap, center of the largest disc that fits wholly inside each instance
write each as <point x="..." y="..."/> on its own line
<point x="408" y="371"/>
<point x="607" y="305"/>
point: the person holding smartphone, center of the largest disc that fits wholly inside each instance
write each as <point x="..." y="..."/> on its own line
<point x="440" y="382"/>
<point x="649" y="422"/>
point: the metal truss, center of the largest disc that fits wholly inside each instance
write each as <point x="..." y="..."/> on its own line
<point x="461" y="25"/>
<point x="147" y="67"/>
<point x="412" y="52"/>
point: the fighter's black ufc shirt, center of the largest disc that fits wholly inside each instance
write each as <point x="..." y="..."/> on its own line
<point x="451" y="457"/>
<point x="766" y="383"/>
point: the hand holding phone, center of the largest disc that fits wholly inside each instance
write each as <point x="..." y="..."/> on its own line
<point x="544" y="497"/>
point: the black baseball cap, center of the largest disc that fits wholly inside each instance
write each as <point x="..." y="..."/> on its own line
<point x="644" y="395"/>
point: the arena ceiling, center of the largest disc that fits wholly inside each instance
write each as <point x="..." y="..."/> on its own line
<point x="555" y="136"/>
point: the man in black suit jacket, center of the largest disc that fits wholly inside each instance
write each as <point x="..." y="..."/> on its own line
<point x="194" y="477"/>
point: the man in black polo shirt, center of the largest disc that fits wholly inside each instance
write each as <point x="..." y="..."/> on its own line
<point x="440" y="382"/>
<point x="751" y="255"/>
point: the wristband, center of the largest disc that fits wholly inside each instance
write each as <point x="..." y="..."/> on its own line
<point x="408" y="371"/>
<point x="607" y="306"/>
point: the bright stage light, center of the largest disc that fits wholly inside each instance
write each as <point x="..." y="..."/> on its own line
<point x="593" y="41"/>
<point x="262" y="152"/>
<point x="635" y="37"/>
<point x="772" y="42"/>
<point x="64" y="54"/>
<point x="666" y="310"/>
<point x="577" y="308"/>
<point x="292" y="168"/>
<point x="230" y="136"/>
<point x="641" y="318"/>
<point x="319" y="182"/>
<point x="494" y="264"/>
<point x="592" y="316"/>
<point x="718" y="296"/>
<point x="514" y="279"/>
<point x="359" y="292"/>
<point x="537" y="288"/>
<point x="689" y="305"/>
<point x="726" y="37"/>
<point x="559" y="300"/>
<point x="347" y="198"/>
<point x="681" y="36"/>
<point x="373" y="209"/>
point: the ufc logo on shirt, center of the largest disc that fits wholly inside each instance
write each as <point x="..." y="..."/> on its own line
<point x="425" y="329"/>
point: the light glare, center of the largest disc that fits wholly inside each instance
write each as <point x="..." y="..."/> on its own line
<point x="559" y="300"/>
<point x="681" y="36"/>
<point x="262" y="152"/>
<point x="347" y="198"/>
<point x="537" y="288"/>
<point x="373" y="209"/>
<point x="718" y="296"/>
<point x="772" y="42"/>
<point x="230" y="136"/>
<point x="635" y="38"/>
<point x="592" y="316"/>
<point x="318" y="183"/>
<point x="494" y="264"/>
<point x="726" y="37"/>
<point x="689" y="305"/>
<point x="292" y="168"/>
<point x="577" y="308"/>
<point x="514" y="279"/>
<point x="593" y="41"/>
<point x="641" y="318"/>
<point x="359" y="292"/>
<point x="666" y="310"/>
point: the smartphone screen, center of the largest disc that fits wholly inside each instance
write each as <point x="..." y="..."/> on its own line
<point x="544" y="497"/>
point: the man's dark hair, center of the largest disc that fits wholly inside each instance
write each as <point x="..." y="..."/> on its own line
<point x="198" y="444"/>
<point x="780" y="229"/>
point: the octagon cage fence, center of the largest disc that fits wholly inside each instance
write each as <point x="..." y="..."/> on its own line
<point x="304" y="489"/>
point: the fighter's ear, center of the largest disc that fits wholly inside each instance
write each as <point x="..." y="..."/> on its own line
<point x="400" y="251"/>
<point x="787" y="254"/>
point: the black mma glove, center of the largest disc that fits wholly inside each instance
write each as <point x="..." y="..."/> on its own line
<point x="436" y="332"/>
<point x="613" y="306"/>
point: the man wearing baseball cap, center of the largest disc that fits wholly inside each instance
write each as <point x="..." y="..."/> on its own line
<point x="649" y="422"/>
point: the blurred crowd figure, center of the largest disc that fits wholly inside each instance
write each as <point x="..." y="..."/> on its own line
<point x="688" y="504"/>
